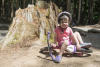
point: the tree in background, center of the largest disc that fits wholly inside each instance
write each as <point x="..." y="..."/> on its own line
<point x="83" y="11"/>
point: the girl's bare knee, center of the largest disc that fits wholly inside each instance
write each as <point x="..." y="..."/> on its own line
<point x="76" y="33"/>
<point x="65" y="43"/>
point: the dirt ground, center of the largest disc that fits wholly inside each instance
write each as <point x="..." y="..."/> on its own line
<point x="31" y="56"/>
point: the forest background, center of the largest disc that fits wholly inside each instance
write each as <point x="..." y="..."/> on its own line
<point x="84" y="12"/>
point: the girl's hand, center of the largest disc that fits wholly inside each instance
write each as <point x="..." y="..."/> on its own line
<point x="53" y="44"/>
<point x="78" y="47"/>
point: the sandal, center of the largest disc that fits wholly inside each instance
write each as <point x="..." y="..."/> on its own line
<point x="58" y="59"/>
<point x="86" y="45"/>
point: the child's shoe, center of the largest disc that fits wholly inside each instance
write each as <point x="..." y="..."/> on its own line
<point x="58" y="59"/>
<point x="84" y="50"/>
<point x="86" y="45"/>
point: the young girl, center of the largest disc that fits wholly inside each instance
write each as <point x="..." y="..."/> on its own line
<point x="64" y="35"/>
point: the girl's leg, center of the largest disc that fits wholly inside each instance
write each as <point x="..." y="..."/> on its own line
<point x="79" y="38"/>
<point x="63" y="47"/>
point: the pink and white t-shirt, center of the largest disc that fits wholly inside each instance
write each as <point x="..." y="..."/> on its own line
<point x="63" y="34"/>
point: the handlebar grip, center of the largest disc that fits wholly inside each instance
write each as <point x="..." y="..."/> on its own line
<point x="48" y="36"/>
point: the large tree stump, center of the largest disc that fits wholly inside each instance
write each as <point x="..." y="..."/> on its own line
<point x="29" y="24"/>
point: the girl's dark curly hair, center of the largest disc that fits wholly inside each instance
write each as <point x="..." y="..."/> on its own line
<point x="64" y="14"/>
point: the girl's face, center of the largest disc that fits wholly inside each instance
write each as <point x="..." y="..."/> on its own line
<point x="64" y="22"/>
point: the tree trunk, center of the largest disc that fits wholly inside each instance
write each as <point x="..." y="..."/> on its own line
<point x="32" y="1"/>
<point x="68" y="5"/>
<point x="12" y="11"/>
<point x="75" y="12"/>
<point x="17" y="4"/>
<point x="91" y="5"/>
<point x="24" y="4"/>
<point x="3" y="9"/>
<point x="79" y="12"/>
